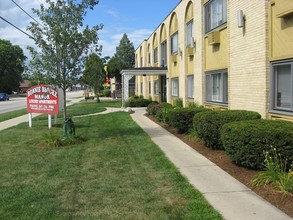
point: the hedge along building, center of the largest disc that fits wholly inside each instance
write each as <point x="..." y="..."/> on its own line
<point x="223" y="54"/>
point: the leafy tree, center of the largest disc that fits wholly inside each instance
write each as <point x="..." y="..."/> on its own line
<point x="124" y="58"/>
<point x="11" y="66"/>
<point x="63" y="41"/>
<point x="93" y="74"/>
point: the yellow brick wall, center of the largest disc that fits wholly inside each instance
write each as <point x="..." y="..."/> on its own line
<point x="248" y="71"/>
<point x="198" y="55"/>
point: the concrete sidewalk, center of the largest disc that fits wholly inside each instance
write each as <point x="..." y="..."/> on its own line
<point x="226" y="194"/>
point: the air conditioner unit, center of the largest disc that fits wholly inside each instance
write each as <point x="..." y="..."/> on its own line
<point x="174" y="58"/>
<point x="214" y="37"/>
<point x="190" y="51"/>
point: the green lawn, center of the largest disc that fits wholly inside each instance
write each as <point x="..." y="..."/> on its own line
<point x="14" y="114"/>
<point x="116" y="173"/>
<point x="82" y="108"/>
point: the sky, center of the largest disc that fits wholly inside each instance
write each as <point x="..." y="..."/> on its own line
<point x="137" y="18"/>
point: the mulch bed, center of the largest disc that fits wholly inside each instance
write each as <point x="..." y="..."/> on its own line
<point x="282" y="201"/>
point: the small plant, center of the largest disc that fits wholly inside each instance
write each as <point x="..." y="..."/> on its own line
<point x="52" y="138"/>
<point x="194" y="105"/>
<point x="179" y="102"/>
<point x="275" y="172"/>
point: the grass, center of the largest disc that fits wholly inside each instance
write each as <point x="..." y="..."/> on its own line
<point x="14" y="114"/>
<point x="83" y="108"/>
<point x="116" y="173"/>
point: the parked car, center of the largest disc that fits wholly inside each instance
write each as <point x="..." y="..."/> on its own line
<point x="4" y="97"/>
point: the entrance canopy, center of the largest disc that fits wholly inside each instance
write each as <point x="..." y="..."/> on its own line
<point x="127" y="74"/>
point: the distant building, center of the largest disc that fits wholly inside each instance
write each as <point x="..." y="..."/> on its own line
<point x="23" y="86"/>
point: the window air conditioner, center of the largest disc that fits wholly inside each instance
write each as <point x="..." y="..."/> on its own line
<point x="214" y="37"/>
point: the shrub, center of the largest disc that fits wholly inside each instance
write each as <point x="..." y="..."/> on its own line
<point x="152" y="108"/>
<point x="245" y="142"/>
<point x="181" y="118"/>
<point x="162" y="112"/>
<point x="106" y="93"/>
<point x="208" y="124"/>
<point x="179" y="102"/>
<point x="138" y="101"/>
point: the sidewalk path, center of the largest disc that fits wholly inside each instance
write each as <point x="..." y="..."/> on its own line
<point x="226" y="194"/>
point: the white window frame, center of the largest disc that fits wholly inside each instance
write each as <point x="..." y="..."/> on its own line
<point x="216" y="87"/>
<point x="279" y="87"/>
<point x="175" y="87"/>
<point x="215" y="14"/>
<point x="189" y="33"/>
<point x="174" y="43"/>
<point x="190" y="87"/>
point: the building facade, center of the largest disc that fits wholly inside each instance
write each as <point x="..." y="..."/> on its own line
<point x="223" y="54"/>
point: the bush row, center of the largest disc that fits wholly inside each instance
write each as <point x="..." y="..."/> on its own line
<point x="138" y="101"/>
<point x="175" y="116"/>
<point x="182" y="118"/>
<point x="242" y="134"/>
<point x="208" y="124"/>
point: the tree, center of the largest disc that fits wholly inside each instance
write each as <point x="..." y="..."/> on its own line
<point x="63" y="41"/>
<point x="93" y="74"/>
<point x="11" y="66"/>
<point x="124" y="58"/>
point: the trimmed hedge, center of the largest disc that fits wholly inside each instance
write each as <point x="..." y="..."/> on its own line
<point x="208" y="124"/>
<point x="182" y="118"/>
<point x="137" y="101"/>
<point x="152" y="108"/>
<point x="162" y="112"/>
<point x="246" y="141"/>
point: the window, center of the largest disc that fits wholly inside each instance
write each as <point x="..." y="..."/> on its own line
<point x="150" y="88"/>
<point x="281" y="83"/>
<point x="215" y="14"/>
<point x="164" y="53"/>
<point x="189" y="87"/>
<point x="175" y="87"/>
<point x="217" y="87"/>
<point x="174" y="43"/>
<point x="156" y="55"/>
<point x="156" y="87"/>
<point x="141" y="88"/>
<point x="149" y="59"/>
<point x="189" y="33"/>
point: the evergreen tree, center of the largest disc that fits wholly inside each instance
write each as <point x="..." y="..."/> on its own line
<point x="124" y="58"/>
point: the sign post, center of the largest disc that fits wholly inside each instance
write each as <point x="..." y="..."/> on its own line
<point x="42" y="99"/>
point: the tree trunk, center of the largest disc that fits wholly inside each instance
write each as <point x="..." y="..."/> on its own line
<point x="64" y="103"/>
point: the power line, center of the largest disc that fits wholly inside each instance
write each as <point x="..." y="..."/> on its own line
<point x="17" y="28"/>
<point x="26" y="12"/>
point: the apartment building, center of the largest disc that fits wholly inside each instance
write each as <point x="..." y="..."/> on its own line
<point x="223" y="54"/>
